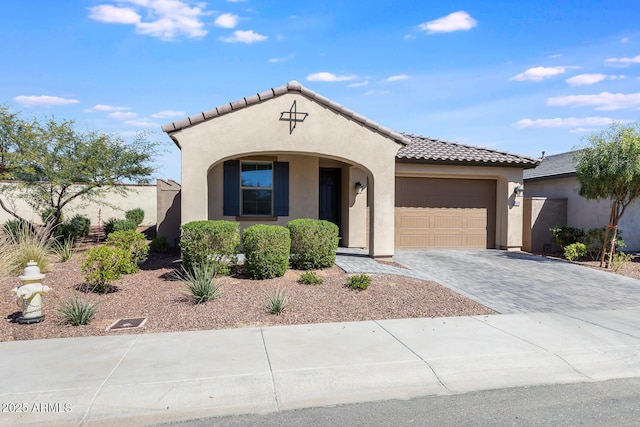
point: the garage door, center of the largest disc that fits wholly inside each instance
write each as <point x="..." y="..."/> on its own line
<point x="445" y="213"/>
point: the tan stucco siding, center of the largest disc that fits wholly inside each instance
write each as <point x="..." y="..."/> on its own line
<point x="508" y="207"/>
<point x="303" y="189"/>
<point x="258" y="130"/>
<point x="587" y="214"/>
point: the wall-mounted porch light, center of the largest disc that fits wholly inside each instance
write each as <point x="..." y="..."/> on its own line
<point x="359" y="188"/>
<point x="518" y="191"/>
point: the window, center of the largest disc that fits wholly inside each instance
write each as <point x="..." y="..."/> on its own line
<point x="256" y="186"/>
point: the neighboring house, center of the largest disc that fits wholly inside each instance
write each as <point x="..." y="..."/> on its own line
<point x="555" y="178"/>
<point x="291" y="153"/>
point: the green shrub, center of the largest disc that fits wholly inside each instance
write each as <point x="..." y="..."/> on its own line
<point x="136" y="215"/>
<point x="594" y="239"/>
<point x="266" y="251"/>
<point x="48" y="214"/>
<point x="124" y="225"/>
<point x="103" y="265"/>
<point x="564" y="236"/>
<point x="76" y="227"/>
<point x="277" y="302"/>
<point x="360" y="282"/>
<point x="159" y="244"/>
<point x="200" y="283"/>
<point x="575" y="251"/>
<point x="77" y="311"/>
<point x="108" y="226"/>
<point x="217" y="242"/>
<point x="113" y="224"/>
<point x="132" y="241"/>
<point x="310" y="278"/>
<point x="313" y="243"/>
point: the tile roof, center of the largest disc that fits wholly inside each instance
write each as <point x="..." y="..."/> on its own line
<point x="435" y="151"/>
<point x="553" y="166"/>
<point x="292" y="86"/>
<point x="414" y="147"/>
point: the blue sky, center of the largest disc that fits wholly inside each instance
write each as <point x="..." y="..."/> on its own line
<point x="517" y="76"/>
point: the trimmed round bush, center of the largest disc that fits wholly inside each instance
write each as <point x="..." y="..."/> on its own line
<point x="313" y="243"/>
<point x="206" y="242"/>
<point x="136" y="215"/>
<point x="266" y="251"/>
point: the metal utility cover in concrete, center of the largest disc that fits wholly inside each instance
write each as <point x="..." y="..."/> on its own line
<point x="136" y="322"/>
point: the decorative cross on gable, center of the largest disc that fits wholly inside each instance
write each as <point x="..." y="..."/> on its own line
<point x="293" y="117"/>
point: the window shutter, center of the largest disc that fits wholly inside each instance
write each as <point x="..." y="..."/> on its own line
<point x="280" y="188"/>
<point x="231" y="192"/>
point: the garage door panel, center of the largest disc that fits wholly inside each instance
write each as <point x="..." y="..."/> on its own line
<point x="445" y="213"/>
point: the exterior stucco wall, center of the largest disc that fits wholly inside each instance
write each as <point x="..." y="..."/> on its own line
<point x="540" y="215"/>
<point x="168" y="197"/>
<point x="509" y="207"/>
<point x="587" y="214"/>
<point x="258" y="130"/>
<point x="138" y="196"/>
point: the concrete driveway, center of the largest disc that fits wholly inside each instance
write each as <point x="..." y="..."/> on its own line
<point x="509" y="282"/>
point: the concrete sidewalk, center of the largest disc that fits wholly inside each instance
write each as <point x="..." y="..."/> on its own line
<point x="153" y="378"/>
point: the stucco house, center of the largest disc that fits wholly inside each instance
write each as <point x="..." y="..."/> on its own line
<point x="555" y="180"/>
<point x="291" y="153"/>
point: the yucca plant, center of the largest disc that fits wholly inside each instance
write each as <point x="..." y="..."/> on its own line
<point x="278" y="301"/>
<point x="64" y="250"/>
<point x="200" y="282"/>
<point x="77" y="311"/>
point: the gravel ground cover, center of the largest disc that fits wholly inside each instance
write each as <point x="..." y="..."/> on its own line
<point x="155" y="294"/>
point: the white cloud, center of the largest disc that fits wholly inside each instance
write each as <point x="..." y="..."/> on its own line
<point x="589" y="79"/>
<point x="360" y="84"/>
<point x="164" y="19"/>
<point x="244" y="37"/>
<point x="329" y="77"/>
<point x="624" y="40"/>
<point x="283" y="59"/>
<point x="409" y="37"/>
<point x="557" y="55"/>
<point x="634" y="60"/>
<point x="143" y="123"/>
<point x="376" y="92"/>
<point x="538" y="74"/>
<point x="120" y="115"/>
<point x="396" y="78"/>
<point x="166" y="114"/>
<point x="567" y="122"/>
<point x="226" y="20"/>
<point x="43" y="101"/>
<point x="102" y="107"/>
<point x="604" y="101"/>
<point x="456" y="21"/>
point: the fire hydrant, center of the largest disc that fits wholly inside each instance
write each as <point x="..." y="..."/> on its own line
<point x="29" y="295"/>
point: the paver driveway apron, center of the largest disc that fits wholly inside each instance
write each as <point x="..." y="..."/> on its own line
<point x="515" y="282"/>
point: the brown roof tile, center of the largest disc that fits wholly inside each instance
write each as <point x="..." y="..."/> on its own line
<point x="435" y="151"/>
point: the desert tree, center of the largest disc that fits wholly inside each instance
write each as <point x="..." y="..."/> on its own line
<point x="608" y="168"/>
<point x="54" y="164"/>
